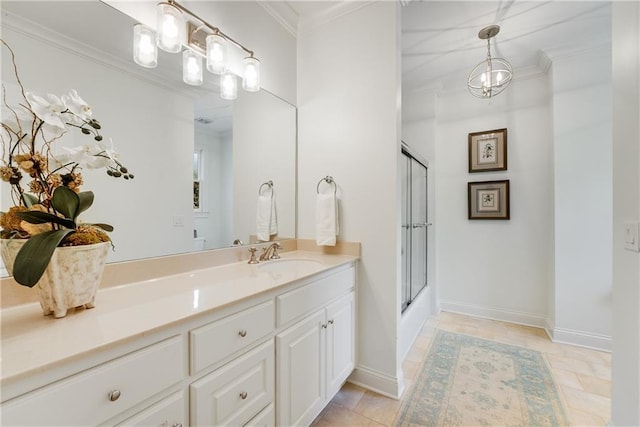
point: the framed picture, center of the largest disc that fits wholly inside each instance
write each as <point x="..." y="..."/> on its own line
<point x="488" y="199"/>
<point x="488" y="151"/>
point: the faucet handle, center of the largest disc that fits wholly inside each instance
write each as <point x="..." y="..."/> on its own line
<point x="253" y="259"/>
<point x="276" y="246"/>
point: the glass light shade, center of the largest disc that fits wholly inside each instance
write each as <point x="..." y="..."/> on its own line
<point x="216" y="53"/>
<point x="228" y="85"/>
<point x="145" y="51"/>
<point x="251" y="79"/>
<point x="170" y="28"/>
<point x="191" y="67"/>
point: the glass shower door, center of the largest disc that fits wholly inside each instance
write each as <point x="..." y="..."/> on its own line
<point x="414" y="228"/>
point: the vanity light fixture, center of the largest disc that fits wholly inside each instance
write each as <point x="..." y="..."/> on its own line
<point x="191" y="67"/>
<point x="145" y="50"/>
<point x="176" y="26"/>
<point x="228" y="85"/>
<point x="493" y="75"/>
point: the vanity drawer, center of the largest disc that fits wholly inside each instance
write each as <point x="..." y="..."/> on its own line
<point x="235" y="393"/>
<point x="211" y="343"/>
<point x="100" y="393"/>
<point x="313" y="296"/>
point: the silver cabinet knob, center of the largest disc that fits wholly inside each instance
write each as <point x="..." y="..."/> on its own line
<point x="331" y="322"/>
<point x="114" y="395"/>
<point x="242" y="333"/>
<point x="243" y="395"/>
<point x="324" y="326"/>
<point x="177" y="425"/>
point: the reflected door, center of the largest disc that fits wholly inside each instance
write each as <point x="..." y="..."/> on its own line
<point x="414" y="228"/>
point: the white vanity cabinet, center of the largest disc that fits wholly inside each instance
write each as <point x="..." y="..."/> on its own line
<point x="273" y="358"/>
<point x="316" y="354"/>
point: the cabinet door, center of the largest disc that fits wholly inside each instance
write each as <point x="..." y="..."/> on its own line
<point x="340" y="342"/>
<point x="169" y="412"/>
<point x="236" y="392"/>
<point x="301" y="371"/>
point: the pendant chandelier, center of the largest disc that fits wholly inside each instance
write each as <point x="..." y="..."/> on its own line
<point x="202" y="40"/>
<point x="493" y="75"/>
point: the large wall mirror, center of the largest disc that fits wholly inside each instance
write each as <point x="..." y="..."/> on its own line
<point x="178" y="140"/>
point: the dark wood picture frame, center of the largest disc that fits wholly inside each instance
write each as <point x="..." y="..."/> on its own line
<point x="488" y="151"/>
<point x="488" y="199"/>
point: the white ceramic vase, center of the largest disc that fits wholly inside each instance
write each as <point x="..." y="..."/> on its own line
<point x="71" y="279"/>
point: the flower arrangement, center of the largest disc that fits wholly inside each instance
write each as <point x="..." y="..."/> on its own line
<point x="45" y="186"/>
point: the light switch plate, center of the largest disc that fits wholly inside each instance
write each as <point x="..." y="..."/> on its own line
<point x="631" y="238"/>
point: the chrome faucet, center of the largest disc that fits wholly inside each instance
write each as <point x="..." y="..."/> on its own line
<point x="270" y="252"/>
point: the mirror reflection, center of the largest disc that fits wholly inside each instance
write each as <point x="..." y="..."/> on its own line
<point x="199" y="161"/>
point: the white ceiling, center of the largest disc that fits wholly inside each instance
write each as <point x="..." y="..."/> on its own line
<point x="440" y="43"/>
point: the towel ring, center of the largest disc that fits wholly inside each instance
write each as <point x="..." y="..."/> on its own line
<point x="329" y="180"/>
<point x="268" y="184"/>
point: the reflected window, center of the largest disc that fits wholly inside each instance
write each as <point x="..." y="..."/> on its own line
<point x="198" y="177"/>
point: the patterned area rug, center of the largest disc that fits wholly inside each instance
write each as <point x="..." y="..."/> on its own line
<point x="468" y="381"/>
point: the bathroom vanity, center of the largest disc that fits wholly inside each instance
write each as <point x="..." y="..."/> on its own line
<point x="237" y="344"/>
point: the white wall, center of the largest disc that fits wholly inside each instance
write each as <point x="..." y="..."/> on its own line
<point x="158" y="151"/>
<point x="625" y="364"/>
<point x="348" y="96"/>
<point x="264" y="150"/>
<point x="496" y="268"/>
<point x="583" y="197"/>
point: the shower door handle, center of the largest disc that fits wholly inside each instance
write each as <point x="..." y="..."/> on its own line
<point x="421" y="224"/>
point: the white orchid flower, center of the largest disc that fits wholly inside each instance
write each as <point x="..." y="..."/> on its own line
<point x="48" y="109"/>
<point x="108" y="150"/>
<point x="77" y="105"/>
<point x="87" y="156"/>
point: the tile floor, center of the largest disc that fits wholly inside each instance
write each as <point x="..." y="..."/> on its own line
<point x="583" y="376"/>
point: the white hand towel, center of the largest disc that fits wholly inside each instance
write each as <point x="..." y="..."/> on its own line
<point x="263" y="218"/>
<point x="326" y="219"/>
<point x="266" y="217"/>
<point x="273" y="223"/>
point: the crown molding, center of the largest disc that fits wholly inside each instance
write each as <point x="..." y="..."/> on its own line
<point x="283" y="13"/>
<point x="337" y="10"/>
<point x="566" y="53"/>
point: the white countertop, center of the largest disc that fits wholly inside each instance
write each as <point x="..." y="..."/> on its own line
<point x="31" y="342"/>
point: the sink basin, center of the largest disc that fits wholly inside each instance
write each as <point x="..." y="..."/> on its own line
<point x="291" y="264"/>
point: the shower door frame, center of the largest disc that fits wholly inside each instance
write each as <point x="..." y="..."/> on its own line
<point x="410" y="228"/>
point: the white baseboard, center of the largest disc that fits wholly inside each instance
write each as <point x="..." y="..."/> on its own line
<point x="582" y="339"/>
<point x="559" y="335"/>
<point x="377" y="381"/>
<point x="520" y="318"/>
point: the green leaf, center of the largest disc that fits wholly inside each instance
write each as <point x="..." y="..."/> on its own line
<point x="66" y="201"/>
<point x="86" y="200"/>
<point x="29" y="199"/>
<point x="37" y="217"/>
<point x="105" y="227"/>
<point x="33" y="258"/>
